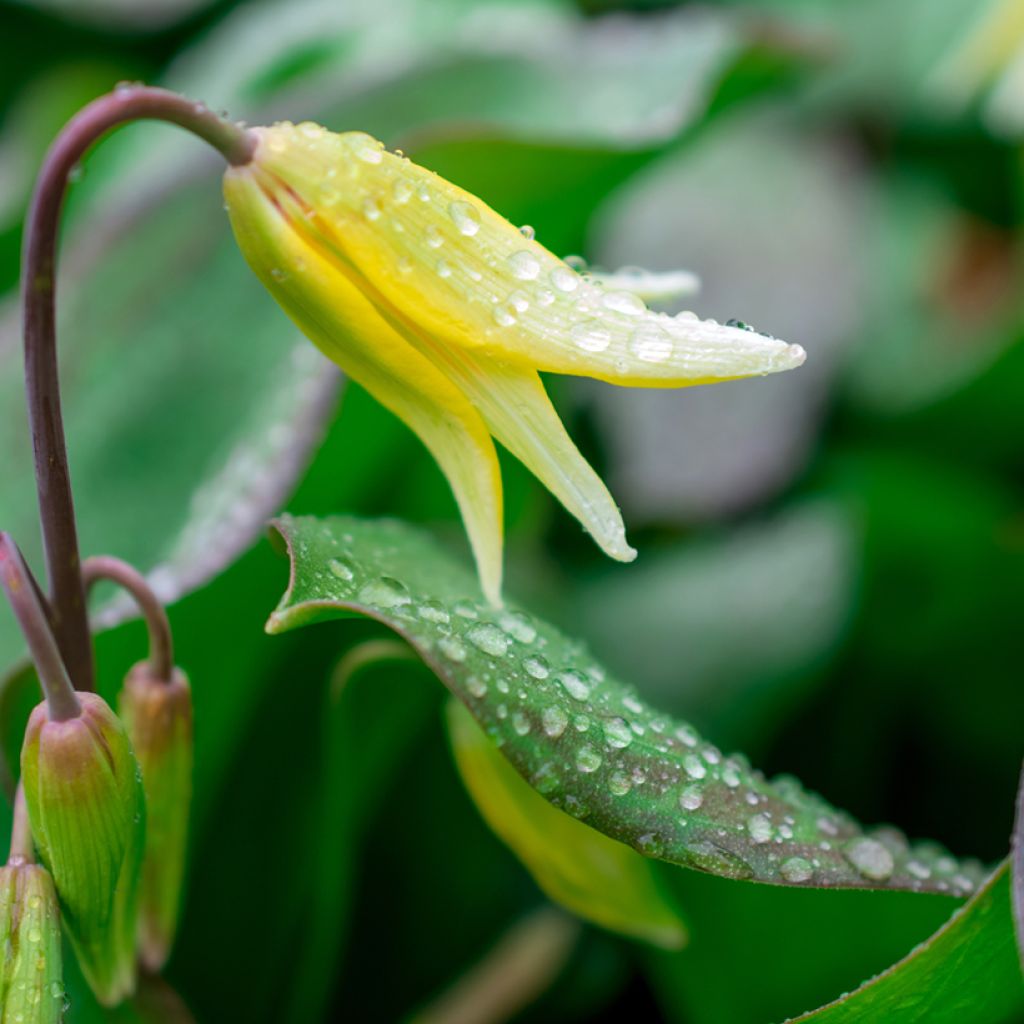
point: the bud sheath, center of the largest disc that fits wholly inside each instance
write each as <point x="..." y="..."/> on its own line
<point x="158" y="717"/>
<point x="86" y="807"/>
<point x="31" y="987"/>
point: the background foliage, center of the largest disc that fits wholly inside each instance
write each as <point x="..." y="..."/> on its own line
<point x="831" y="561"/>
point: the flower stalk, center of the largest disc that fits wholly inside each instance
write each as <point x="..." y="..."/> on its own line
<point x="67" y="611"/>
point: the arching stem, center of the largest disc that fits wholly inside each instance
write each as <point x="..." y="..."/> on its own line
<point x="24" y="598"/>
<point x="161" y="643"/>
<point x="60" y="539"/>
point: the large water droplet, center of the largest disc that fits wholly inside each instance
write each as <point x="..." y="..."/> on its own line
<point x="434" y="237"/>
<point x="707" y="856"/>
<point x="342" y="568"/>
<point x="691" y="798"/>
<point x="651" y="344"/>
<point x="796" y="869"/>
<point x="590" y="336"/>
<point x="759" y="828"/>
<point x="465" y="610"/>
<point x="366" y="148"/>
<point x="587" y="759"/>
<point x="694" y="766"/>
<point x="452" y="649"/>
<point x="624" y="302"/>
<point x="371" y="211"/>
<point x="519" y="627"/>
<point x="870" y="858"/>
<point x="575" y="685"/>
<point x="537" y="666"/>
<point x="564" y="279"/>
<point x="465" y="217"/>
<point x="520" y="723"/>
<point x="527" y="232"/>
<point x="554" y="720"/>
<point x="489" y="639"/>
<point x="617" y="733"/>
<point x="433" y="611"/>
<point x="385" y="592"/>
<point x="619" y="784"/>
<point x="524" y="265"/>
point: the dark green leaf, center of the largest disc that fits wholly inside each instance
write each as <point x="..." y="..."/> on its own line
<point x="584" y="740"/>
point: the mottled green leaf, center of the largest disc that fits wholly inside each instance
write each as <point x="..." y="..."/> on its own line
<point x="596" y="877"/>
<point x="584" y="740"/>
<point x="966" y="973"/>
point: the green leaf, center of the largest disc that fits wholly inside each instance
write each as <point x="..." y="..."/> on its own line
<point x="1017" y="871"/>
<point x="966" y="973"/>
<point x="584" y="740"/>
<point x="595" y="877"/>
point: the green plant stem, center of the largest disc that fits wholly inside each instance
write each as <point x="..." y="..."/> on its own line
<point x="28" y="608"/>
<point x="161" y="642"/>
<point x="66" y="607"/>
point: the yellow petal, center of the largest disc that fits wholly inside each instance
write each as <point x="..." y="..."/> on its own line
<point x="335" y="315"/>
<point x="649" y="285"/>
<point x="518" y="412"/>
<point x="417" y="244"/>
<point x="599" y="879"/>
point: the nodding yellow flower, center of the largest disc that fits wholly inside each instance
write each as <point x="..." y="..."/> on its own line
<point x="446" y="313"/>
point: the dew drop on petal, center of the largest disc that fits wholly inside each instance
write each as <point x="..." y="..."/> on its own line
<point x="524" y="265"/>
<point x="796" y="869"/>
<point x="342" y="569"/>
<point x="619" y="784"/>
<point x="433" y="611"/>
<point x="465" y="217"/>
<point x="694" y="766"/>
<point x="617" y="733"/>
<point x="527" y="232"/>
<point x="590" y="336"/>
<point x="402" y="191"/>
<point x="504" y="317"/>
<point x="691" y="798"/>
<point x="489" y="639"/>
<point x="624" y="302"/>
<point x="519" y="627"/>
<point x="564" y="279"/>
<point x="443" y="269"/>
<point x="452" y="649"/>
<point x="385" y="592"/>
<point x="575" y="685"/>
<point x="434" y="237"/>
<point x="371" y="210"/>
<point x="537" y="666"/>
<point x="870" y="858"/>
<point x="650" y="344"/>
<point x="759" y="828"/>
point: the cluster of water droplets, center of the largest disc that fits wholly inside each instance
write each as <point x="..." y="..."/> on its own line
<point x="595" y="749"/>
<point x="439" y="236"/>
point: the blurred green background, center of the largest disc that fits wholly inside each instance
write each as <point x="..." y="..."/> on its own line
<point x="831" y="569"/>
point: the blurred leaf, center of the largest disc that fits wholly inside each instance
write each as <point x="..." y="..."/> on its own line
<point x="966" y="973"/>
<point x="726" y="626"/>
<point x="137" y="15"/>
<point x="1017" y="870"/>
<point x="597" y="878"/>
<point x="189" y="416"/>
<point x="583" y="740"/>
<point x="363" y="742"/>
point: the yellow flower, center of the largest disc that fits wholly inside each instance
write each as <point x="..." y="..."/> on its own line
<point x="445" y="312"/>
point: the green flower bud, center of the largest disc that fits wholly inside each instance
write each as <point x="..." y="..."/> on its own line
<point x="158" y="717"/>
<point x="31" y="987"/>
<point x="86" y="807"/>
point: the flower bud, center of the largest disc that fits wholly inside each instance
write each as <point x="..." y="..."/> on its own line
<point x="158" y="717"/>
<point x="86" y="807"/>
<point x="31" y="987"/>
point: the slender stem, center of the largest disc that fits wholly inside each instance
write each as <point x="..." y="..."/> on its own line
<point x="22" y="851"/>
<point x="56" y="508"/>
<point x="21" y="592"/>
<point x="161" y="643"/>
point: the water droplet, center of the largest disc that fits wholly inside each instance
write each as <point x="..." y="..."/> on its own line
<point x="524" y="265"/>
<point x="759" y="828"/>
<point x="564" y="279"/>
<point x="707" y="856"/>
<point x="554" y="720"/>
<point x="687" y="735"/>
<point x="452" y="649"/>
<point x="694" y="766"/>
<point x="575" y="685"/>
<point x="443" y="270"/>
<point x="545" y="297"/>
<point x="465" y="217"/>
<point x="691" y="798"/>
<point x="730" y="774"/>
<point x="465" y="610"/>
<point x="918" y="870"/>
<point x="404" y="265"/>
<point x="796" y="869"/>
<point x="401" y="190"/>
<point x="385" y="592"/>
<point x="342" y="568"/>
<point x="630" y="703"/>
<point x="520" y="723"/>
<point x="617" y="733"/>
<point x="489" y="639"/>
<point x="581" y="723"/>
<point x="519" y="627"/>
<point x="578" y="263"/>
<point x="650" y="844"/>
<point x="34" y="934"/>
<point x="590" y="336"/>
<point x="433" y="611"/>
<point x="476" y="686"/>
<point x="504" y="317"/>
<point x="537" y="667"/>
<point x="366" y="148"/>
<point x="624" y="302"/>
<point x="587" y="759"/>
<point x="311" y="130"/>
<point x="870" y="858"/>
<point x="434" y="237"/>
<point x="619" y="784"/>
<point x="519" y="301"/>
<point x="371" y="211"/>
<point x="527" y="232"/>
<point x="278" y="274"/>
<point x="650" y="344"/>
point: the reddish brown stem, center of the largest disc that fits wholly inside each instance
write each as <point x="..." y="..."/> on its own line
<point x="66" y="607"/>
